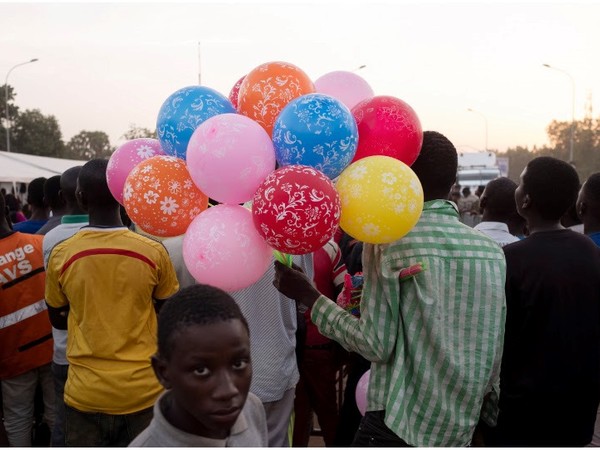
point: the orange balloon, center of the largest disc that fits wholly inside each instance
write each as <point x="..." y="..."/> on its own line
<point x="161" y="198"/>
<point x="267" y="89"/>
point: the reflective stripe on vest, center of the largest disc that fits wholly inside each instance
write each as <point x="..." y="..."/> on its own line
<point x="22" y="314"/>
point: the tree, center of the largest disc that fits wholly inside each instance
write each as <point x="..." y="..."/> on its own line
<point x="135" y="132"/>
<point x="36" y="134"/>
<point x="89" y="145"/>
<point x="13" y="112"/>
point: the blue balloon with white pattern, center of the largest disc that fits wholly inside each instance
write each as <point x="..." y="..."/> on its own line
<point x="183" y="112"/>
<point x="316" y="130"/>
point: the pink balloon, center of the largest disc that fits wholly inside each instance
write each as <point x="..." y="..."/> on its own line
<point x="125" y="158"/>
<point x="222" y="248"/>
<point x="361" y="392"/>
<point x="347" y="87"/>
<point x="228" y="157"/>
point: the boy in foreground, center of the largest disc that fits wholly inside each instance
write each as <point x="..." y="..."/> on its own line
<point x="203" y="361"/>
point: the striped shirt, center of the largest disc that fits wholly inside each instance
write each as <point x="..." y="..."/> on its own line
<point x="435" y="339"/>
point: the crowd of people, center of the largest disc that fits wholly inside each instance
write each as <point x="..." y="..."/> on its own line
<point x="480" y="327"/>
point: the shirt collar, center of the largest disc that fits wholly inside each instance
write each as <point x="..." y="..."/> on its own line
<point x="440" y="206"/>
<point x="75" y="218"/>
<point x="488" y="225"/>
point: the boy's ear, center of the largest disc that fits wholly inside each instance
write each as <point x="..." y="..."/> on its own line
<point x="161" y="370"/>
<point x="526" y="202"/>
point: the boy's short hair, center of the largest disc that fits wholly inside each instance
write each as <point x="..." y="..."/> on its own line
<point x="592" y="193"/>
<point x="552" y="185"/>
<point x="92" y="181"/>
<point x="436" y="164"/>
<point x="35" y="192"/>
<point x="199" y="304"/>
<point x="500" y="195"/>
<point x="51" y="192"/>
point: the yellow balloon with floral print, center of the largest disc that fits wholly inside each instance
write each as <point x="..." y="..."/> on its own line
<point x="382" y="199"/>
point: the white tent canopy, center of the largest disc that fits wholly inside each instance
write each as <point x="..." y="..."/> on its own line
<point x="22" y="168"/>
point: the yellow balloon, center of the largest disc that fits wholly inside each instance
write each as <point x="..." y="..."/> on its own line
<point x="382" y="199"/>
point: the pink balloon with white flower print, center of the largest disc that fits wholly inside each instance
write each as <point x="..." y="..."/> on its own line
<point x="347" y="87"/>
<point x="125" y="158"/>
<point x="161" y="198"/>
<point x="222" y="248"/>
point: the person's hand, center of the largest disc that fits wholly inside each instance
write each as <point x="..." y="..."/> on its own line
<point x="293" y="283"/>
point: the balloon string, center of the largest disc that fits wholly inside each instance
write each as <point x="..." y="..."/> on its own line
<point x="283" y="258"/>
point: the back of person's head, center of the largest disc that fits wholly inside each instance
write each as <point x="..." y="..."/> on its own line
<point x="35" y="193"/>
<point x="52" y="193"/>
<point x="466" y="192"/>
<point x="498" y="199"/>
<point x="552" y="186"/>
<point x="12" y="202"/>
<point x="92" y="186"/>
<point x="436" y="165"/>
<point x="194" y="305"/>
<point x="590" y="194"/>
<point x="68" y="185"/>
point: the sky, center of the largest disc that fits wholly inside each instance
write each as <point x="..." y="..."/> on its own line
<point x="104" y="66"/>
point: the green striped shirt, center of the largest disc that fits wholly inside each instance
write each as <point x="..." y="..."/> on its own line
<point x="435" y="339"/>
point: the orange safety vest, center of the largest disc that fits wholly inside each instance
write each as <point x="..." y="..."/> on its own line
<point x="25" y="330"/>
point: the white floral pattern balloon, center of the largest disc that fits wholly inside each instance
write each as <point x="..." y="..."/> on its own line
<point x="161" y="198"/>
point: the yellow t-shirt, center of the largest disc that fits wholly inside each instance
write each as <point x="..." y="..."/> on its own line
<point x="108" y="277"/>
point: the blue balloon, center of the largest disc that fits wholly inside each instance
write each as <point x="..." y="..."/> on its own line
<point x="316" y="130"/>
<point x="183" y="112"/>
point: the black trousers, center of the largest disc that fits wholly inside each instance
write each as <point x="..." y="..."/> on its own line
<point x="373" y="432"/>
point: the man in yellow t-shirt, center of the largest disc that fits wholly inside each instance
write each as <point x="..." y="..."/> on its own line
<point x="107" y="281"/>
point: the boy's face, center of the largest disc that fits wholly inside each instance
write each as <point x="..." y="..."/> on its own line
<point x="209" y="374"/>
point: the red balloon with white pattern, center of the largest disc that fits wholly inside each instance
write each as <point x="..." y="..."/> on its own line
<point x="296" y="209"/>
<point x="387" y="126"/>
<point x="235" y="90"/>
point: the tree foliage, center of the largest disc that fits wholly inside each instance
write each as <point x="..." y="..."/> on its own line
<point x="36" y="134"/>
<point x="586" y="148"/>
<point x="135" y="132"/>
<point x="89" y="145"/>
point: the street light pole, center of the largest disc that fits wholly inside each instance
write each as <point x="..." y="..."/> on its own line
<point x="486" y="125"/>
<point x="572" y="109"/>
<point x="6" y="100"/>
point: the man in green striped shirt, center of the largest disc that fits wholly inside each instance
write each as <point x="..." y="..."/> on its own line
<point x="435" y="338"/>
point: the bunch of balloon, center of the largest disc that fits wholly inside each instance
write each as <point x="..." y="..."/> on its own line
<point x="316" y="130"/>
<point x="347" y="87"/>
<point x="268" y="88"/>
<point x="381" y="197"/>
<point x="296" y="209"/>
<point x="183" y="111"/>
<point x="125" y="158"/>
<point x="160" y="196"/>
<point x="388" y="126"/>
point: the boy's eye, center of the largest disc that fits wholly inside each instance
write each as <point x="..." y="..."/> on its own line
<point x="241" y="364"/>
<point x="202" y="371"/>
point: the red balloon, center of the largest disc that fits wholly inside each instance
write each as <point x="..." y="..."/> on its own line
<point x="235" y="90"/>
<point x="296" y="209"/>
<point x="387" y="126"/>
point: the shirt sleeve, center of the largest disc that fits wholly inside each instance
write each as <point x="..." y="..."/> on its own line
<point x="167" y="278"/>
<point x="55" y="297"/>
<point x="374" y="334"/>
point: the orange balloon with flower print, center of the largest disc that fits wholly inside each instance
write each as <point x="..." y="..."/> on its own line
<point x="268" y="88"/>
<point x="161" y="198"/>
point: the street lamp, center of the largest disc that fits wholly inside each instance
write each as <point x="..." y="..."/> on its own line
<point x="572" y="109"/>
<point x="6" y="100"/>
<point x="486" y="125"/>
<point x="360" y="68"/>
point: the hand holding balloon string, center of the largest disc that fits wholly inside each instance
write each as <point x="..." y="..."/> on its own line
<point x="293" y="283"/>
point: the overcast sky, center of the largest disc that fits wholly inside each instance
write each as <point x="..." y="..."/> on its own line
<point x="103" y="66"/>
